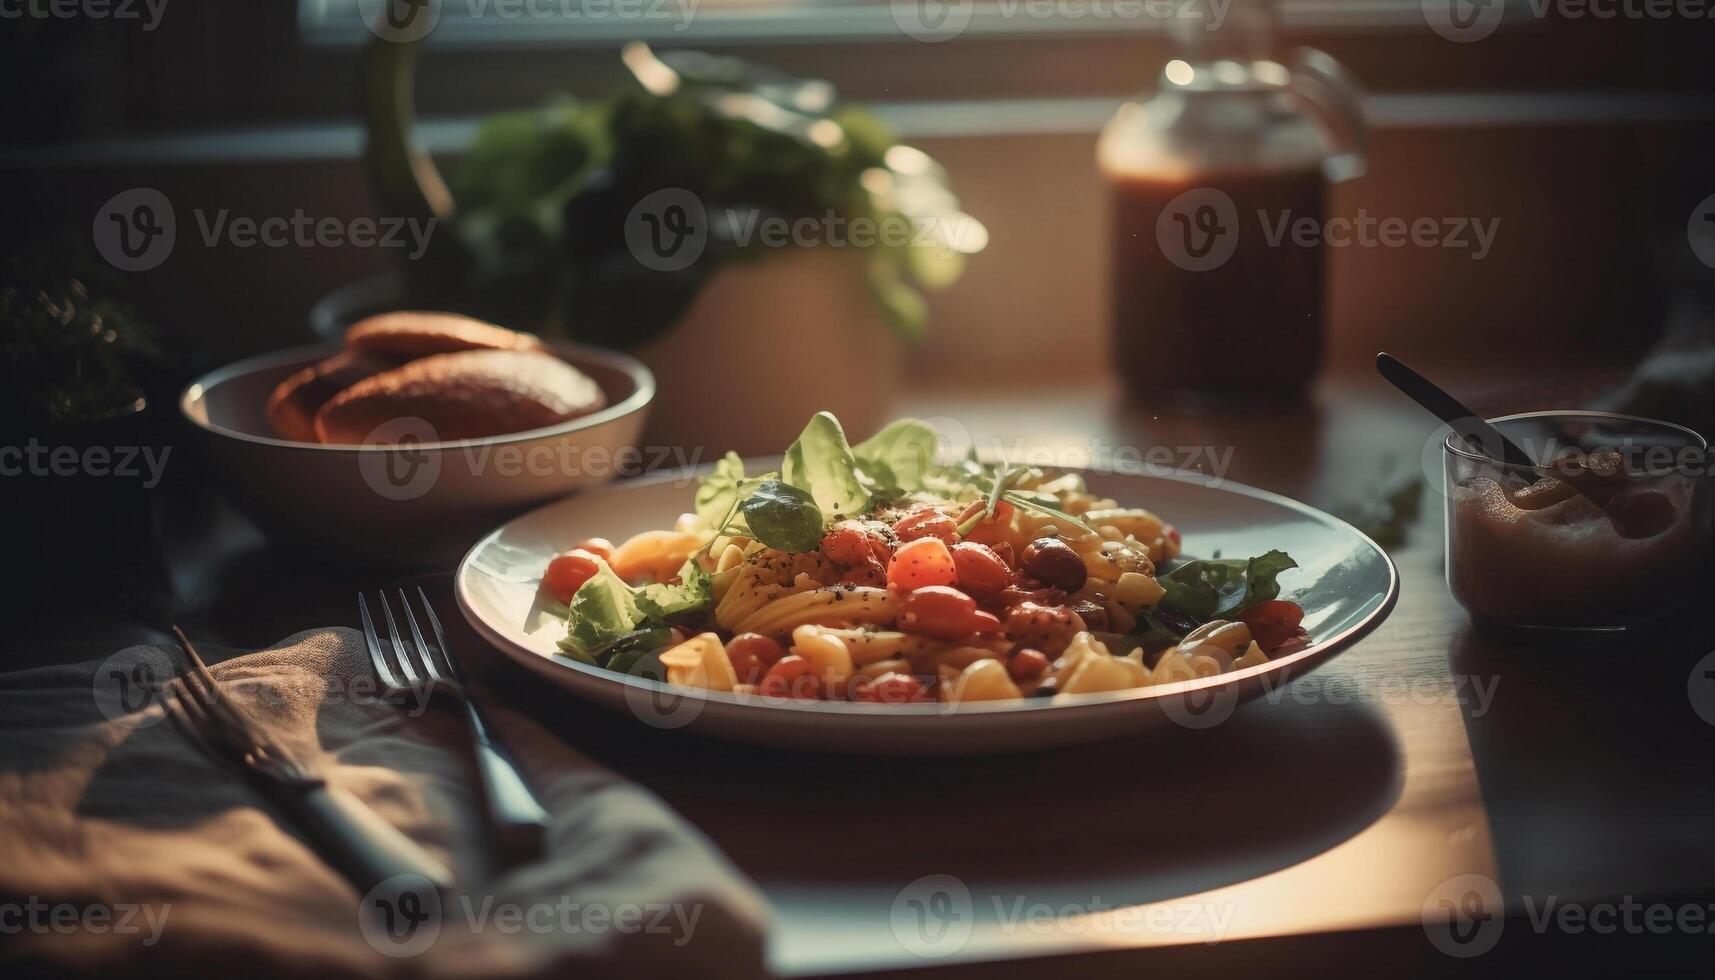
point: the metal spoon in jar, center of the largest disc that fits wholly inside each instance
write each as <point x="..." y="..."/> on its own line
<point x="1472" y="428"/>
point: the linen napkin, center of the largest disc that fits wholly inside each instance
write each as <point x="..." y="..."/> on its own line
<point x="124" y="845"/>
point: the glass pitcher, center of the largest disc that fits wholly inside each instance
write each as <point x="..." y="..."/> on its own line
<point x="1217" y="282"/>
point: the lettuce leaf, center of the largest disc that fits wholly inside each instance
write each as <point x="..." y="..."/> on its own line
<point x="606" y="611"/>
<point x="821" y="464"/>
<point x="1216" y="588"/>
<point x="899" y="456"/>
<point x="694" y="590"/>
<point x="602" y="612"/>
<point x="719" y="491"/>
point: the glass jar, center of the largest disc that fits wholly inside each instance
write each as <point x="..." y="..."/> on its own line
<point x="1213" y="296"/>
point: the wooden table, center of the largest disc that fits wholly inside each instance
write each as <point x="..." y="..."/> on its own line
<point x="1314" y="825"/>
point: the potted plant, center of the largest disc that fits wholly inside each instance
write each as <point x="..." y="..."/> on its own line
<point x="737" y="228"/>
<point x="77" y="447"/>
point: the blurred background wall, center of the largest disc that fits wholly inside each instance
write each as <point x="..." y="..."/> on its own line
<point x="1589" y="142"/>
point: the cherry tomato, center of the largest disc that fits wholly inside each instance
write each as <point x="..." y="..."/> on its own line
<point x="1272" y="621"/>
<point x="600" y="547"/>
<point x="939" y="611"/>
<point x="789" y="678"/>
<point x="1024" y="590"/>
<point x="1027" y="665"/>
<point x="852" y="542"/>
<point x="1046" y="628"/>
<point x="1174" y="540"/>
<point x="927" y="524"/>
<point x="752" y="654"/>
<point x="891" y="688"/>
<point x="981" y="572"/>
<point x="1002" y="513"/>
<point x="568" y="572"/>
<point x="868" y="572"/>
<point x="925" y="561"/>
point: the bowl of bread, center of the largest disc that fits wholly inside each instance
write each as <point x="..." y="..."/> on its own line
<point x="418" y="433"/>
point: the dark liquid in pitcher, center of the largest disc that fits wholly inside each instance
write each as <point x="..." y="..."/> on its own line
<point x="1248" y="329"/>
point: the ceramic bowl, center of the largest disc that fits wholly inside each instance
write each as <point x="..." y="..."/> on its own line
<point x="414" y="502"/>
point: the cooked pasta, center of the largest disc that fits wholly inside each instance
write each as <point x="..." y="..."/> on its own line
<point x="844" y="576"/>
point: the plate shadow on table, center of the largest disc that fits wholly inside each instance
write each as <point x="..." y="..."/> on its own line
<point x="1173" y="813"/>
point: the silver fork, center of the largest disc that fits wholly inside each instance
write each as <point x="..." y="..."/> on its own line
<point x="519" y="820"/>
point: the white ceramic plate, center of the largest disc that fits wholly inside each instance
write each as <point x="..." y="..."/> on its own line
<point x="1345" y="582"/>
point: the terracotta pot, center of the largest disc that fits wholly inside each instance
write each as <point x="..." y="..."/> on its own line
<point x="765" y="345"/>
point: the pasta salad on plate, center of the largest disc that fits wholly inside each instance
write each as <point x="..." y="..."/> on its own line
<point x="878" y="573"/>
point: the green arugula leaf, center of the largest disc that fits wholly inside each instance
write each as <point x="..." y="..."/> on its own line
<point x="899" y="456"/>
<point x="783" y="517"/>
<point x="1211" y="588"/>
<point x="1036" y="502"/>
<point x="991" y="500"/>
<point x="821" y="463"/>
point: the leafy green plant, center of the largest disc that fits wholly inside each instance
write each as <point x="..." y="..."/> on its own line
<point x="543" y="195"/>
<point x="71" y="353"/>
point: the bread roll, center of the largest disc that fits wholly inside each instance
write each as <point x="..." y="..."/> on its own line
<point x="466" y="395"/>
<point x="406" y="335"/>
<point x="293" y="406"/>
